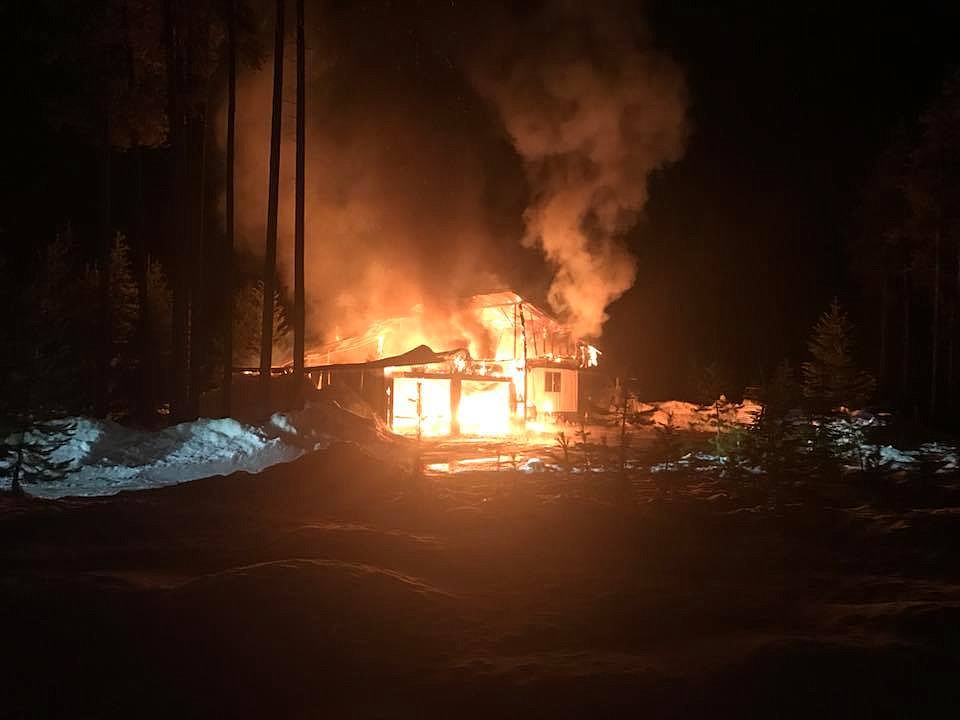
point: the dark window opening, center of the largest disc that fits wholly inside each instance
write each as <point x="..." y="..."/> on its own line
<point x="551" y="382"/>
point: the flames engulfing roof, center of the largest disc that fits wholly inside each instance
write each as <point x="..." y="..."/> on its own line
<point x="503" y="315"/>
<point x="420" y="355"/>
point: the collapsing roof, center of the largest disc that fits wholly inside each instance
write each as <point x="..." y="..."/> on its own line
<point x="420" y="355"/>
<point x="491" y="325"/>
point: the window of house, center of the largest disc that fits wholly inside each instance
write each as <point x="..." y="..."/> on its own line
<point x="551" y="382"/>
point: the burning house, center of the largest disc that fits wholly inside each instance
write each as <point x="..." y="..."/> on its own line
<point x="512" y="362"/>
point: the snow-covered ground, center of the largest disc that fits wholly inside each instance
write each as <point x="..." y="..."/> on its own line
<point x="101" y="457"/>
<point x="104" y="457"/>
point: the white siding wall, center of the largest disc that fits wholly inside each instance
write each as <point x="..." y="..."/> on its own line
<point x="563" y="401"/>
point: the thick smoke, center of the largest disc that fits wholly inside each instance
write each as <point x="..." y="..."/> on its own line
<point x="413" y="194"/>
<point x="592" y="109"/>
<point x="416" y="195"/>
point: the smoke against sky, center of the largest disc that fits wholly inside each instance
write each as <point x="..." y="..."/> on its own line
<point x="447" y="157"/>
<point x="592" y="110"/>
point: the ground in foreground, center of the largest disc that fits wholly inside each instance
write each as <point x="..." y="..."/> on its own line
<point x="338" y="586"/>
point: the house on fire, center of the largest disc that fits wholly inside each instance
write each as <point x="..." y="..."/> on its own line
<point x="527" y="366"/>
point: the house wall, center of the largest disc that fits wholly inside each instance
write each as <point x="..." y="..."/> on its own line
<point x="564" y="401"/>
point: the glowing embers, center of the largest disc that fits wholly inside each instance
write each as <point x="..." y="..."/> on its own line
<point x="422" y="403"/>
<point x="484" y="407"/>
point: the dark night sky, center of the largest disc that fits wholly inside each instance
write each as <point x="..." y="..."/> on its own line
<point x="742" y="241"/>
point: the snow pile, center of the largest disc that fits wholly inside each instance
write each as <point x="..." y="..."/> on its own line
<point x="699" y="461"/>
<point x="699" y="418"/>
<point x="104" y="457"/>
<point x="891" y="456"/>
<point x="942" y="457"/>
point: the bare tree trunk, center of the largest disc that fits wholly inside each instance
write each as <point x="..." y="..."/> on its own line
<point x="883" y="331"/>
<point x="181" y="278"/>
<point x="226" y="382"/>
<point x="935" y="340"/>
<point x="270" y="252"/>
<point x="104" y="349"/>
<point x="197" y="305"/>
<point x="905" y="338"/>
<point x="145" y="375"/>
<point x="951" y="345"/>
<point x="299" y="309"/>
<point x="16" y="488"/>
<point x="142" y="401"/>
<point x="953" y="330"/>
<point x="179" y="356"/>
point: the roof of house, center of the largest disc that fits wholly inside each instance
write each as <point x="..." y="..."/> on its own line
<point x="495" y="309"/>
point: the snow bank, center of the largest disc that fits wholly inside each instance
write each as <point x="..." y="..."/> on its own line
<point x="103" y="457"/>
<point x="699" y="418"/>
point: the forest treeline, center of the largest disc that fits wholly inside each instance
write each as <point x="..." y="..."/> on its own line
<point x="906" y="252"/>
<point x="145" y="303"/>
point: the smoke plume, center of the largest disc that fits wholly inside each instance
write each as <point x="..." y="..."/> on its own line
<point x="592" y="109"/>
<point x="442" y="152"/>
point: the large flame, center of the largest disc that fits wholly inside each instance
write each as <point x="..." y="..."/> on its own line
<point x="484" y="408"/>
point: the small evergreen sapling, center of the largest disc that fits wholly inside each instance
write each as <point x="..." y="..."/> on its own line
<point x="563" y="442"/>
<point x="247" y="327"/>
<point x="831" y="379"/>
<point x="27" y="454"/>
<point x="668" y="445"/>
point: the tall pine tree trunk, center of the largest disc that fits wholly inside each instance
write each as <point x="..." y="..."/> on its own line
<point x="270" y="251"/>
<point x="227" y="267"/>
<point x="951" y="335"/>
<point x="299" y="314"/>
<point x="905" y="338"/>
<point x="104" y="344"/>
<point x="953" y="330"/>
<point x="142" y="396"/>
<point x="883" y="331"/>
<point x="197" y="295"/>
<point x="935" y="329"/>
<point x="176" y="215"/>
<point x="144" y="399"/>
<point x="181" y="278"/>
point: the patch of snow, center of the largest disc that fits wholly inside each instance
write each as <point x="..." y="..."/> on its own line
<point x="104" y="457"/>
<point x="697" y="460"/>
<point x="942" y="453"/>
<point x="283" y="423"/>
<point x="532" y="465"/>
<point x="890" y="455"/>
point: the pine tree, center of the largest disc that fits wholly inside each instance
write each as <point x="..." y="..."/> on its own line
<point x="124" y="294"/>
<point x="273" y="191"/>
<point x="56" y="326"/>
<point x="773" y="442"/>
<point x="299" y="308"/>
<point x="161" y="309"/>
<point x="831" y="379"/>
<point x="247" y="327"/>
<point x="28" y="450"/>
<point x="226" y="382"/>
<point x="124" y="298"/>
